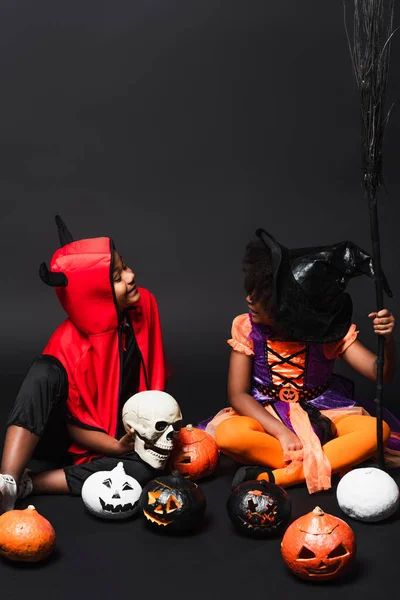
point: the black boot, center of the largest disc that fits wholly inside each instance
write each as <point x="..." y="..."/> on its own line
<point x="248" y="473"/>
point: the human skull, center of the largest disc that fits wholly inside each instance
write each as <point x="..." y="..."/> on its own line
<point x="156" y="418"/>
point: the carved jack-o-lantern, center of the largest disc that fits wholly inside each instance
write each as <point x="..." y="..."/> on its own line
<point x="259" y="508"/>
<point x="288" y="394"/>
<point x="318" y="546"/>
<point x="195" y="453"/>
<point x="111" y="494"/>
<point x="172" y="503"/>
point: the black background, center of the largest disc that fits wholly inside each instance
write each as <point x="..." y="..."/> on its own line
<point x="178" y="128"/>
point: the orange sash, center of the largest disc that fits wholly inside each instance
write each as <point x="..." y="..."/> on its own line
<point x="315" y="463"/>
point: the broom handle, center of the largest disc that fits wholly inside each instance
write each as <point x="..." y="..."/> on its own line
<point x="376" y="253"/>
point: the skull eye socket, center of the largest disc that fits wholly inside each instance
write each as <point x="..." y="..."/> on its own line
<point x="161" y="425"/>
<point x="177" y="426"/>
<point x="126" y="487"/>
<point x="338" y="551"/>
<point x="107" y="483"/>
<point x="306" y="553"/>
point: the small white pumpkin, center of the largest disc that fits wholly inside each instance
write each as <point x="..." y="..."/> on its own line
<point x="111" y="494"/>
<point x="368" y="494"/>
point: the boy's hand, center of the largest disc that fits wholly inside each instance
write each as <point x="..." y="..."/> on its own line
<point x="126" y="443"/>
<point x="383" y="322"/>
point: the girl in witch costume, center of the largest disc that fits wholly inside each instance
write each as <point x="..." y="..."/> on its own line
<point x="109" y="348"/>
<point x="291" y="417"/>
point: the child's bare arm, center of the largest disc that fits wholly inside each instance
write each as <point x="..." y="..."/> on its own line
<point x="243" y="403"/>
<point x="100" y="442"/>
<point x="363" y="360"/>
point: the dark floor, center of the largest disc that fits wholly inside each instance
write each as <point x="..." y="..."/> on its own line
<point x="104" y="559"/>
<point x="98" y="559"/>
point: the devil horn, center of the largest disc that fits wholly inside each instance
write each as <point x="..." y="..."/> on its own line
<point x="63" y="233"/>
<point x="51" y="278"/>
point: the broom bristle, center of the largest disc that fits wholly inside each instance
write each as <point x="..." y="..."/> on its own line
<point x="370" y="51"/>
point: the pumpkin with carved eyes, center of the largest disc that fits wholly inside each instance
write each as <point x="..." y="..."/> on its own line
<point x="173" y="503"/>
<point x="288" y="394"/>
<point x="259" y="508"/>
<point x="111" y="494"/>
<point x="318" y="546"/>
<point x="195" y="453"/>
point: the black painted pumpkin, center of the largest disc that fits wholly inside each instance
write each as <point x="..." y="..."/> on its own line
<point x="259" y="508"/>
<point x="173" y="503"/>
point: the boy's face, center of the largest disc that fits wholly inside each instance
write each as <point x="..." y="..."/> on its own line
<point x="125" y="288"/>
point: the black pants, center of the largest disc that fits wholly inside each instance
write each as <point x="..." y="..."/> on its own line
<point x="76" y="475"/>
<point x="41" y="408"/>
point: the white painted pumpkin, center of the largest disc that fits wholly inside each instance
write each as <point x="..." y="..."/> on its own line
<point x="368" y="494"/>
<point x="111" y="494"/>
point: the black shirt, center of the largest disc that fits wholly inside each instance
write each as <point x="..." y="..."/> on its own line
<point x="130" y="369"/>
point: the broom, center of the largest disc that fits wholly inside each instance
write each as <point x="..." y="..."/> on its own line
<point x="370" y="53"/>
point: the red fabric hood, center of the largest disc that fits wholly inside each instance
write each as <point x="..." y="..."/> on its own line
<point x="88" y="342"/>
<point x="88" y="298"/>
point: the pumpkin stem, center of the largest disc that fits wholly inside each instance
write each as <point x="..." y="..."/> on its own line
<point x="318" y="511"/>
<point x="31" y="507"/>
<point x="189" y="427"/>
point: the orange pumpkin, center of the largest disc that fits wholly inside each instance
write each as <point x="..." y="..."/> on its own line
<point x="26" y="536"/>
<point x="318" y="546"/>
<point x="195" y="453"/>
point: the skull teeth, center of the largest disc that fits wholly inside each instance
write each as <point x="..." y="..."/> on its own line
<point x="157" y="454"/>
<point x="158" y="450"/>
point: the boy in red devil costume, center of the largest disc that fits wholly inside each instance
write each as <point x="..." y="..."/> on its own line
<point x="109" y="348"/>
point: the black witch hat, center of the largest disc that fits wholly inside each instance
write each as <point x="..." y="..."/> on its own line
<point x="308" y="299"/>
<point x="49" y="277"/>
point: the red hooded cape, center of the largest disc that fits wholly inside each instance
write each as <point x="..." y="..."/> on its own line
<point x="88" y="343"/>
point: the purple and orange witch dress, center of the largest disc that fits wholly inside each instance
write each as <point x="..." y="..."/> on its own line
<point x="290" y="379"/>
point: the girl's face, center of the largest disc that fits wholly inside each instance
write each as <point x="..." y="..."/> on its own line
<point x="258" y="313"/>
<point x="125" y="288"/>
